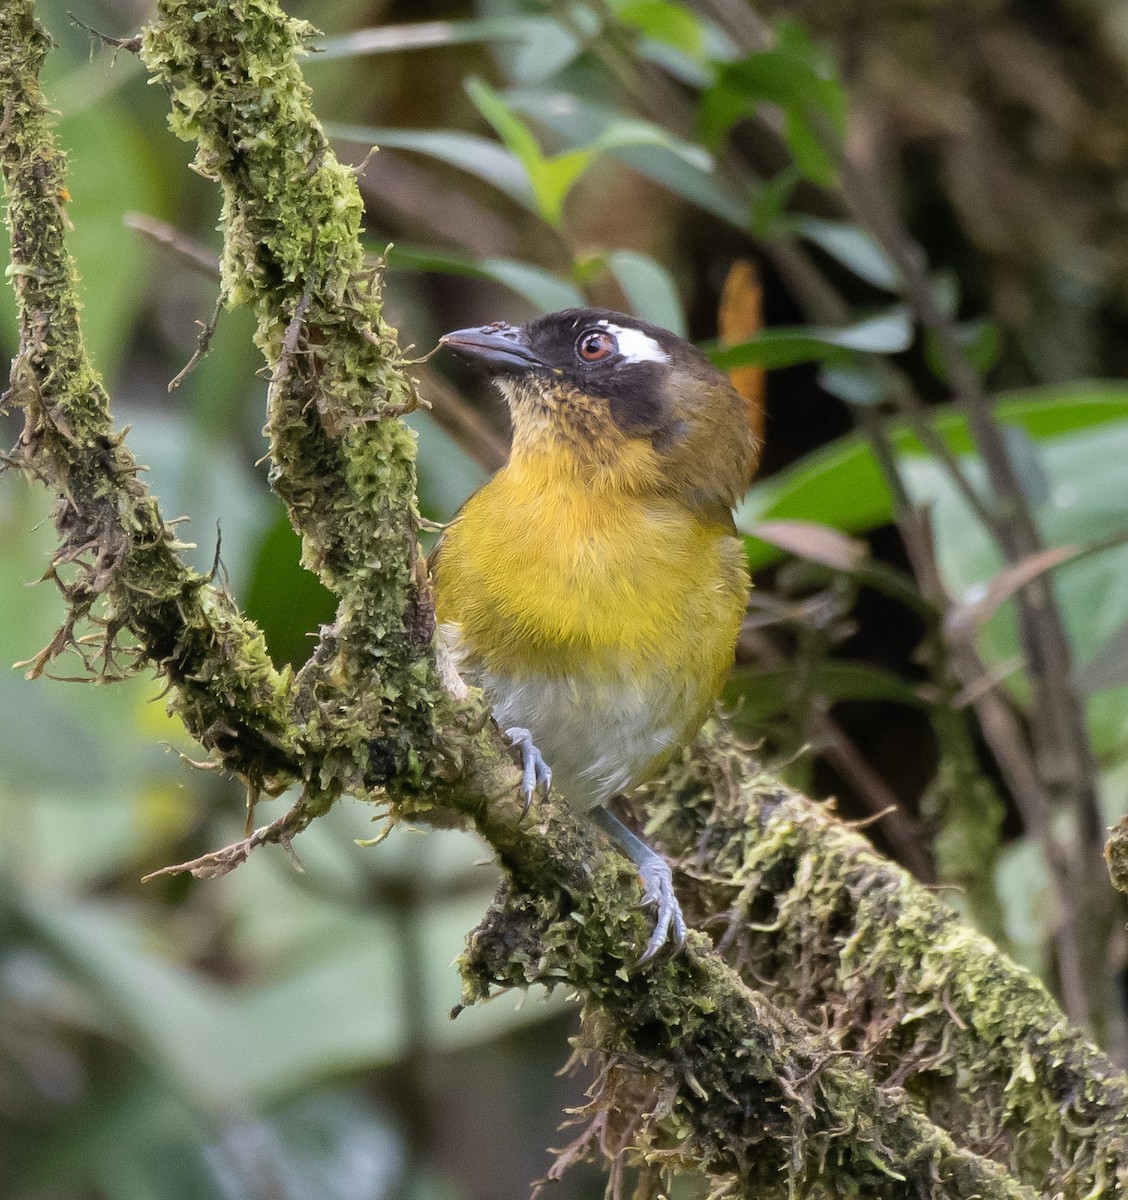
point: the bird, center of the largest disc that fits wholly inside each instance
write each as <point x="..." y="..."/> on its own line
<point x="594" y="587"/>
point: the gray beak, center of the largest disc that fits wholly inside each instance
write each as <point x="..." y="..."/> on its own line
<point x="498" y="347"/>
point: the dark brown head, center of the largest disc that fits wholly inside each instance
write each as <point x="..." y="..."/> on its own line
<point x="599" y="385"/>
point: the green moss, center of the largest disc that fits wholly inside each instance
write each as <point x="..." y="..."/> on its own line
<point x="341" y="459"/>
<point x="116" y="566"/>
<point x="831" y="930"/>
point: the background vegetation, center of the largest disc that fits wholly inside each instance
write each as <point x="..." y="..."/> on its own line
<point x="158" y="1040"/>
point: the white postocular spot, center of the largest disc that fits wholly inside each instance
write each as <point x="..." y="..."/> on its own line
<point x="636" y="346"/>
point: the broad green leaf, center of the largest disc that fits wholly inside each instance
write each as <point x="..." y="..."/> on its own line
<point x="885" y="333"/>
<point x="842" y="486"/>
<point x="764" y="694"/>
<point x="628" y="133"/>
<point x="552" y="47"/>
<point x="679" y="166"/>
<point x="1027" y="462"/>
<point x="1027" y="900"/>
<point x="287" y="602"/>
<point x="853" y="247"/>
<point x="855" y="382"/>
<point x="769" y="203"/>
<point x="548" y="292"/>
<point x="692" y="70"/>
<point x="552" y="178"/>
<point x="1085" y="480"/>
<point x="664" y="21"/>
<point x="510" y="128"/>
<point x="536" y="284"/>
<point x="649" y="289"/>
<point x="809" y="150"/>
<point x="447" y="474"/>
<point x="133" y="1137"/>
<point x="207" y="481"/>
<point x="112" y="170"/>
<point x="476" y="155"/>
<point x="797" y="77"/>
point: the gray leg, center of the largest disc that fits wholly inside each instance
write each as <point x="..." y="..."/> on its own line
<point x="657" y="880"/>
<point x="535" y="771"/>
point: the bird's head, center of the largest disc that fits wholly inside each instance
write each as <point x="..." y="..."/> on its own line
<point x="621" y="402"/>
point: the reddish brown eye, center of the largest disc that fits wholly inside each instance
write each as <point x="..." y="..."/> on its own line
<point x="594" y="345"/>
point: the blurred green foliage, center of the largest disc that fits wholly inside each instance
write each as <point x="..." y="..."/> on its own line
<point x="286" y="1034"/>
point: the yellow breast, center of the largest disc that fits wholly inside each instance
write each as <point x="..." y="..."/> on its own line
<point x="591" y="615"/>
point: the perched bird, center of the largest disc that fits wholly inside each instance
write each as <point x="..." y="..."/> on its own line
<point x="594" y="587"/>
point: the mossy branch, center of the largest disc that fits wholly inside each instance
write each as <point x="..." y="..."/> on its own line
<point x="748" y="1092"/>
<point x="113" y="545"/>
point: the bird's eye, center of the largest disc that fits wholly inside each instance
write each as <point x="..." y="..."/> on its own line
<point x="594" y="345"/>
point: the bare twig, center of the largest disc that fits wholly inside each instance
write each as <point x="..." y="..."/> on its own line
<point x="171" y="239"/>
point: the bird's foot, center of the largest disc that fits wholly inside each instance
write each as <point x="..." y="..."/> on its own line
<point x="658" y="892"/>
<point x="657" y="883"/>
<point x="536" y="773"/>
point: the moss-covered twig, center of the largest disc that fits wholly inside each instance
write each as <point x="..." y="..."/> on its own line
<point x="114" y="547"/>
<point x="291" y="218"/>
<point x="826" y="927"/>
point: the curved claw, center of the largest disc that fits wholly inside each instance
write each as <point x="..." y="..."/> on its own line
<point x="535" y="772"/>
<point x="658" y="891"/>
<point x="657" y="883"/>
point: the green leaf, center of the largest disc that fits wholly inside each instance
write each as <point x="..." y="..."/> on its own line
<point x="679" y="166"/>
<point x="856" y="383"/>
<point x="553" y="47"/>
<point x="1084" y="481"/>
<point x="550" y="178"/>
<point x="808" y="149"/>
<point x="854" y="248"/>
<point x="510" y="128"/>
<point x="761" y="694"/>
<point x="113" y="170"/>
<point x="548" y="292"/>
<point x="649" y="289"/>
<point x="541" y="287"/>
<point x="477" y="156"/>
<point x="1024" y="891"/>
<point x="801" y="80"/>
<point x="286" y="601"/>
<point x="842" y="486"/>
<point x="665" y="22"/>
<point x="1026" y="459"/>
<point x="884" y="333"/>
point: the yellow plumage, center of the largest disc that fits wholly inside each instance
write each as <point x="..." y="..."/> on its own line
<point x="612" y="605"/>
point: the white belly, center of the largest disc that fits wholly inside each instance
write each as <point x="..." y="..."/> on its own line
<point x="599" y="737"/>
